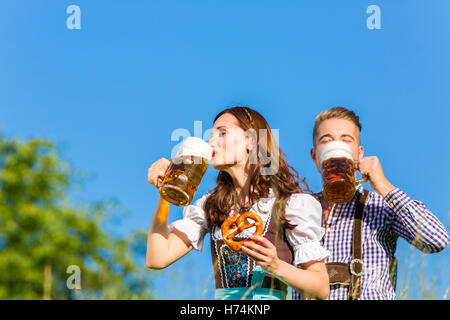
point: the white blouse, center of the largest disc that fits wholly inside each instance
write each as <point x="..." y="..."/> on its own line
<point x="302" y="210"/>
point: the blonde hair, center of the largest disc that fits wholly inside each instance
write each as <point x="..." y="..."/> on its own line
<point x="336" y="112"/>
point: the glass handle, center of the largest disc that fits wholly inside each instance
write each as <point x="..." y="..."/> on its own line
<point x="160" y="182"/>
<point x="361" y="181"/>
<point x="161" y="179"/>
<point x="364" y="178"/>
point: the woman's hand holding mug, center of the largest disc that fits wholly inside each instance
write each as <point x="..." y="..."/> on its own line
<point x="157" y="171"/>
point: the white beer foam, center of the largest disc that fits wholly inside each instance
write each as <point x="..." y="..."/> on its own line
<point x="193" y="146"/>
<point x="336" y="149"/>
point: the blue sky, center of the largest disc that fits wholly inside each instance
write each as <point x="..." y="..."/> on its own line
<point x="112" y="93"/>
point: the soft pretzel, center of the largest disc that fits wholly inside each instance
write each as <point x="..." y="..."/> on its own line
<point x="241" y="225"/>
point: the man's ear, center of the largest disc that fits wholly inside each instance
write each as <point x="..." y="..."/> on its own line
<point x="361" y="152"/>
<point x="312" y="152"/>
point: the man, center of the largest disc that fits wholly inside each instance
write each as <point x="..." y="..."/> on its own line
<point x="371" y="221"/>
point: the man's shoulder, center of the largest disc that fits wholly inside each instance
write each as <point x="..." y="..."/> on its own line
<point x="375" y="199"/>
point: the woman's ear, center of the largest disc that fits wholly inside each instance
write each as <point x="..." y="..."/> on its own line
<point x="251" y="139"/>
<point x="250" y="144"/>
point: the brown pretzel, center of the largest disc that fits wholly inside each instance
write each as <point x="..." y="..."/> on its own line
<point x="240" y="224"/>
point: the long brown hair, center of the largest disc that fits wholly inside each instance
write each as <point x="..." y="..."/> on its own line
<point x="284" y="182"/>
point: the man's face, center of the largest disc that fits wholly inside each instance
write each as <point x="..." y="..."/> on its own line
<point x="336" y="129"/>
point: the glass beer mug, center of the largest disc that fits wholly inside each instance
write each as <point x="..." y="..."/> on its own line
<point x="185" y="172"/>
<point x="338" y="170"/>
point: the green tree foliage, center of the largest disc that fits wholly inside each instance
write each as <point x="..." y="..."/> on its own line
<point x="42" y="233"/>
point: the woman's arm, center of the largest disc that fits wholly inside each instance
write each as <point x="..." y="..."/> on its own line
<point x="163" y="248"/>
<point x="312" y="279"/>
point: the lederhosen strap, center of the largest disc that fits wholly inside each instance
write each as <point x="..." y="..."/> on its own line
<point x="350" y="273"/>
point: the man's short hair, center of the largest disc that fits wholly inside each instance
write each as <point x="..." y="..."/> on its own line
<point x="336" y="112"/>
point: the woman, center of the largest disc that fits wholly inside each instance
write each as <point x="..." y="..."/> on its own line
<point x="254" y="176"/>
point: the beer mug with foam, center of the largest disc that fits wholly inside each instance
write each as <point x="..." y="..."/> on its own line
<point x="185" y="172"/>
<point x="338" y="170"/>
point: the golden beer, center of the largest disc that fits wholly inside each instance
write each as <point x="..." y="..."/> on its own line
<point x="338" y="172"/>
<point x="186" y="171"/>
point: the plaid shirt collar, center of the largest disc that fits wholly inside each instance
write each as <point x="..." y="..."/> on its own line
<point x="358" y="191"/>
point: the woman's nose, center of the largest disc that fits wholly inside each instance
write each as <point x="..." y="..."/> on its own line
<point x="212" y="140"/>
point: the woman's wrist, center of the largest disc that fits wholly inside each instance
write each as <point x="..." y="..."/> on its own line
<point x="279" y="269"/>
<point x="162" y="211"/>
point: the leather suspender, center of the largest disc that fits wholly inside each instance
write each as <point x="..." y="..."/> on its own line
<point x="357" y="265"/>
<point x="350" y="274"/>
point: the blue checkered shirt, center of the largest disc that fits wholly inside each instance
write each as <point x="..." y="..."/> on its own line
<point x="397" y="215"/>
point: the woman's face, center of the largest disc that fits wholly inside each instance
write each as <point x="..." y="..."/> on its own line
<point x="229" y="143"/>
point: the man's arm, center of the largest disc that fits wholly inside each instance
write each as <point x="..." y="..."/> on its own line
<point x="411" y="219"/>
<point x="415" y="223"/>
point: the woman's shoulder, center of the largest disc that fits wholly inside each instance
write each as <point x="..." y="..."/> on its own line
<point x="303" y="200"/>
<point x="200" y="201"/>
